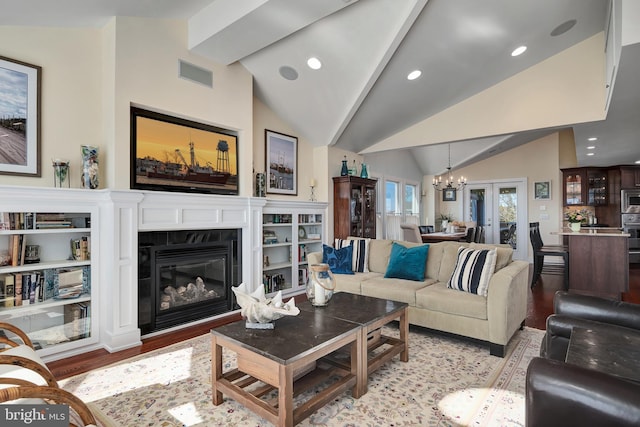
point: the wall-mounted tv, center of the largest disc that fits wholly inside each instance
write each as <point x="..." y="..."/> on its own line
<point x="175" y="154"/>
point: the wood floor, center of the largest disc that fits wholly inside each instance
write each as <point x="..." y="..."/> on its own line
<point x="540" y="305"/>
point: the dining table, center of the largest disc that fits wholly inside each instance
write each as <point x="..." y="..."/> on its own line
<point x="443" y="237"/>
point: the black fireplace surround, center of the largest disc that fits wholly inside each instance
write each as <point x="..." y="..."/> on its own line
<point x="186" y="275"/>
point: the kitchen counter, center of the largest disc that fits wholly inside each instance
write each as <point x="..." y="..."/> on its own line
<point x="599" y="231"/>
<point x="598" y="261"/>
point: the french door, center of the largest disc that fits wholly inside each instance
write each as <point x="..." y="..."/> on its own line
<point x="501" y="208"/>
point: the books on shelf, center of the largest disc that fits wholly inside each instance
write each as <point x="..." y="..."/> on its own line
<point x="38" y="221"/>
<point x="80" y="248"/>
<point x="31" y="287"/>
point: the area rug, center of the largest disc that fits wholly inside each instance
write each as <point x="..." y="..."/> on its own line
<point x="447" y="382"/>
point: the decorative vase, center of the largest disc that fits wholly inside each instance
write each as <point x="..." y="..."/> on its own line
<point x="345" y="169"/>
<point x="261" y="184"/>
<point x="90" y="167"/>
<point x="445" y="224"/>
<point x="60" y="173"/>
<point x="575" y="226"/>
<point x="320" y="285"/>
<point x="363" y="171"/>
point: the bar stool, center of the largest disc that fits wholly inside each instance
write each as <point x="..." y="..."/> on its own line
<point x="540" y="250"/>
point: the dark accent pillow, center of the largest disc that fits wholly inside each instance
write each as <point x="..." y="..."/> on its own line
<point x="407" y="263"/>
<point x="339" y="260"/>
<point x="473" y="270"/>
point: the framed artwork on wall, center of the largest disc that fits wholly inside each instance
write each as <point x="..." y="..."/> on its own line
<point x="19" y="117"/>
<point x="449" y="195"/>
<point x="282" y="163"/>
<point x="174" y="154"/>
<point x="542" y="190"/>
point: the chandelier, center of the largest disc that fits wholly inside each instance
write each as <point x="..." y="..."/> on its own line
<point x="449" y="182"/>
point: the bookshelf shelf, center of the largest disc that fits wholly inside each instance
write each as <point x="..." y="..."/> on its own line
<point x="31" y="288"/>
<point x="290" y="230"/>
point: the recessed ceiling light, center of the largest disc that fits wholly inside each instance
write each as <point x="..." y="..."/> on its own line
<point x="593" y="138"/>
<point x="591" y="147"/>
<point x="288" y="72"/>
<point x="518" y="51"/>
<point x="563" y="28"/>
<point x="314" y="63"/>
<point x="590" y="154"/>
<point x="637" y="161"/>
<point x="414" y="74"/>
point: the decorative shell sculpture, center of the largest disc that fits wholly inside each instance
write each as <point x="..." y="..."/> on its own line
<point x="259" y="311"/>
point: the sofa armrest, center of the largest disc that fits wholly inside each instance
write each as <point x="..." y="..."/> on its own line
<point x="598" y="309"/>
<point x="507" y="301"/>
<point x="560" y="394"/>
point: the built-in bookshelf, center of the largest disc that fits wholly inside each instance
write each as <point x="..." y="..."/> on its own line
<point x="46" y="277"/>
<point x="290" y="231"/>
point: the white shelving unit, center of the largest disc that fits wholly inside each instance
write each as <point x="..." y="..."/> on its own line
<point x="290" y="231"/>
<point x="55" y="321"/>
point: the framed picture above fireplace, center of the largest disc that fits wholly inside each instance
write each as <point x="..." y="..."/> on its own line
<point x="175" y="154"/>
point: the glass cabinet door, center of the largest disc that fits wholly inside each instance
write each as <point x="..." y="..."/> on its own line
<point x="573" y="189"/>
<point x="369" y="212"/>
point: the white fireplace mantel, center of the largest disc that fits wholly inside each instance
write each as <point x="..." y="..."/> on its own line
<point x="125" y="213"/>
<point x="118" y="216"/>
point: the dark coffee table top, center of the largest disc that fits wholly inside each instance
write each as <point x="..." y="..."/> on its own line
<point x="613" y="353"/>
<point x="359" y="309"/>
<point x="292" y="338"/>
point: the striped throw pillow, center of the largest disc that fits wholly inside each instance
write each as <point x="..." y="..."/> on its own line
<point x="473" y="270"/>
<point x="360" y="252"/>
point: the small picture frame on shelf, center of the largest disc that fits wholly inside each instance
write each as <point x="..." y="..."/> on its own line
<point x="542" y="190"/>
<point x="449" y="195"/>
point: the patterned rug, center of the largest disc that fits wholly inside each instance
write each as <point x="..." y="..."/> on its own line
<point x="447" y="382"/>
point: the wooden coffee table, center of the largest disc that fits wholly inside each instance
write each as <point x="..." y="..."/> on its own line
<point x="286" y="359"/>
<point x="372" y="314"/>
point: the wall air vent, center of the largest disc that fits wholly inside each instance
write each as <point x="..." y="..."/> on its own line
<point x="195" y="74"/>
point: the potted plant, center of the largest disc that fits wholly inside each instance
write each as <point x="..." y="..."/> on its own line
<point x="444" y="221"/>
<point x="575" y="219"/>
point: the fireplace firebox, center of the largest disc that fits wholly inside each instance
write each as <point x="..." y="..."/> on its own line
<point x="186" y="276"/>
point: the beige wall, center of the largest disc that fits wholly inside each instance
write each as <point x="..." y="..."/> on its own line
<point x="71" y="102"/>
<point x="264" y="118"/>
<point x="535" y="161"/>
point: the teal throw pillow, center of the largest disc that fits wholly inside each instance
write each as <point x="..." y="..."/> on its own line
<point x="407" y="263"/>
<point x="339" y="260"/>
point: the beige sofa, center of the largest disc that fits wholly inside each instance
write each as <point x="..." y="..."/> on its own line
<point x="493" y="318"/>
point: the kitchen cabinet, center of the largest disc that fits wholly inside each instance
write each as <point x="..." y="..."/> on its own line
<point x="585" y="186"/>
<point x="629" y="177"/>
<point x="354" y="207"/>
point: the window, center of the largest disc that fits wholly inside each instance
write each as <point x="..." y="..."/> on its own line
<point x="401" y="204"/>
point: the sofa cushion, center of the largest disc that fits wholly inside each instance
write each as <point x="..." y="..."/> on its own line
<point x="339" y="260"/>
<point x="448" y="263"/>
<point x="379" y="252"/>
<point x="504" y="253"/>
<point x="352" y="283"/>
<point x="473" y="270"/>
<point x="407" y="263"/>
<point x="438" y="297"/>
<point x="393" y="289"/>
<point x="360" y="252"/>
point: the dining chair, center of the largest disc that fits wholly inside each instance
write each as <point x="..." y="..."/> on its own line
<point x="479" y="234"/>
<point x="471" y="234"/>
<point x="411" y="233"/>
<point x="540" y="251"/>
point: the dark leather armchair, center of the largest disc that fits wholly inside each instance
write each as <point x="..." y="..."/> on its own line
<point x="559" y="394"/>
<point x="584" y="311"/>
<point x="562" y="394"/>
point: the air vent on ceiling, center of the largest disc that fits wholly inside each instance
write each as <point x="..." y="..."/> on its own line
<point x="195" y="74"/>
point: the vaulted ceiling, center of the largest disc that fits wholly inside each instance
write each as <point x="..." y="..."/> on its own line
<point x="361" y="100"/>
